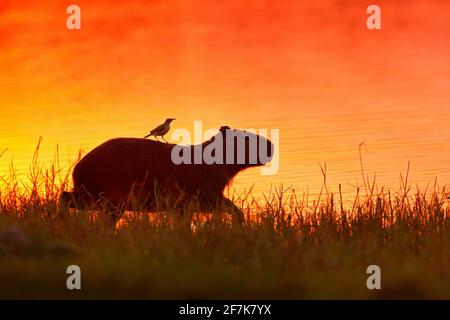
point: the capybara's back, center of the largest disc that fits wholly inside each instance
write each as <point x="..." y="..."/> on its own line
<point x="111" y="170"/>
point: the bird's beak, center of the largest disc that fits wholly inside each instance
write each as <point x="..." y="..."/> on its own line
<point x="173" y="119"/>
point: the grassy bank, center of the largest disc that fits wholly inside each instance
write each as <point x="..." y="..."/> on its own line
<point x="289" y="248"/>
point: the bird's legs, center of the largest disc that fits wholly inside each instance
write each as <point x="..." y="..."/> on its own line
<point x="164" y="139"/>
<point x="157" y="138"/>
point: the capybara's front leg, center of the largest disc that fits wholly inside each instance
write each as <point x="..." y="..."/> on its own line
<point x="236" y="213"/>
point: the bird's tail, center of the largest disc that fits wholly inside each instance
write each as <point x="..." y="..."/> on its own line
<point x="149" y="135"/>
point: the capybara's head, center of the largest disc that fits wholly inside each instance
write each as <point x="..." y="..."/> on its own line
<point x="245" y="148"/>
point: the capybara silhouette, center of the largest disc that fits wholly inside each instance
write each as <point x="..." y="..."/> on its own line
<point x="143" y="170"/>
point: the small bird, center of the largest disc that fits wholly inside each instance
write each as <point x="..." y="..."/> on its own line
<point x="161" y="130"/>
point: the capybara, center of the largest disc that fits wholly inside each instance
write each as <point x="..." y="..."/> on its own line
<point x="125" y="169"/>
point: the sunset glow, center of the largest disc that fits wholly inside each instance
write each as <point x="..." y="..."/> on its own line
<point x="308" y="68"/>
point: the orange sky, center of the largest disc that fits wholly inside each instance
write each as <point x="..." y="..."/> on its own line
<point x="309" y="68"/>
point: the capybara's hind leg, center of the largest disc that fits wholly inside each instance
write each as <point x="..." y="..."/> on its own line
<point x="111" y="215"/>
<point x="110" y="212"/>
<point x="72" y="200"/>
<point x="114" y="217"/>
<point x="67" y="200"/>
<point x="113" y="203"/>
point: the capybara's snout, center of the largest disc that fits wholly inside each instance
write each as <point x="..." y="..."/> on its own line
<point x="270" y="149"/>
<point x="266" y="150"/>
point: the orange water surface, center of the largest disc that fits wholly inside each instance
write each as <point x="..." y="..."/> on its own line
<point x="308" y="68"/>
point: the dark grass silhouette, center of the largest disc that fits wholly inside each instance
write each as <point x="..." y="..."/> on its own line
<point x="132" y="174"/>
<point x="291" y="247"/>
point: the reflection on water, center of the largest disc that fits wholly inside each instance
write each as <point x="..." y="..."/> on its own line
<point x="390" y="142"/>
<point x="311" y="70"/>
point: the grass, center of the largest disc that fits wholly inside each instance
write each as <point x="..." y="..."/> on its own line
<point x="290" y="248"/>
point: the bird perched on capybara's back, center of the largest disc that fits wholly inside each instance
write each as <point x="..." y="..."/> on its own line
<point x="142" y="169"/>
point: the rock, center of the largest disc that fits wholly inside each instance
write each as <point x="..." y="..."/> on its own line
<point x="12" y="239"/>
